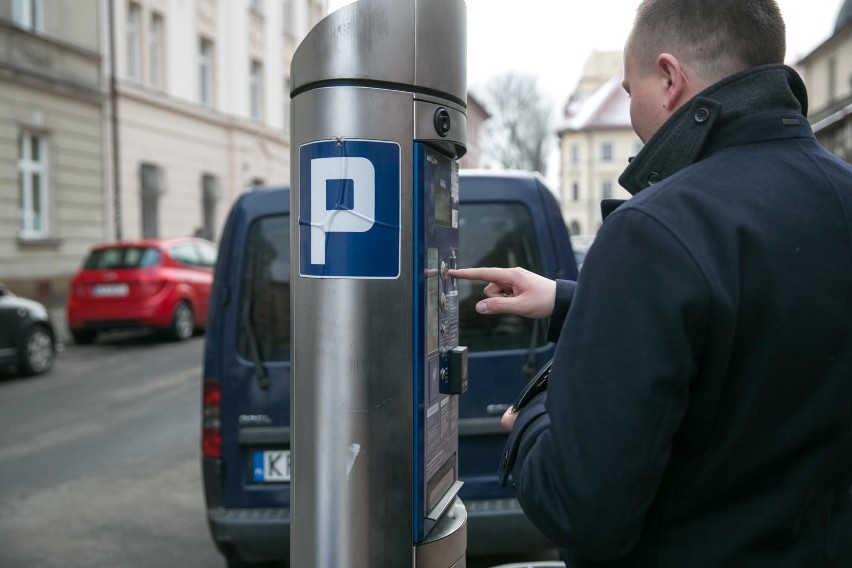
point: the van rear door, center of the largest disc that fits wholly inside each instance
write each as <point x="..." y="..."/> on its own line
<point x="255" y="356"/>
<point x="505" y="221"/>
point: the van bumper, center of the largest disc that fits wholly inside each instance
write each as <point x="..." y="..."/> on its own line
<point x="499" y="526"/>
<point x="251" y="534"/>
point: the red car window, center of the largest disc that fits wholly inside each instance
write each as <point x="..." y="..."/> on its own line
<point x="124" y="257"/>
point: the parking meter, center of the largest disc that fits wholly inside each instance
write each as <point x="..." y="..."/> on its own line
<point x="377" y="126"/>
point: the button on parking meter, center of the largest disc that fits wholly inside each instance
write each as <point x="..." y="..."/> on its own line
<point x="458" y="370"/>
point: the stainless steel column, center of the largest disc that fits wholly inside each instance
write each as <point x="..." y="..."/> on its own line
<point x="373" y="70"/>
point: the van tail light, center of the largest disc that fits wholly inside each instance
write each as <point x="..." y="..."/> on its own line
<point x="211" y="433"/>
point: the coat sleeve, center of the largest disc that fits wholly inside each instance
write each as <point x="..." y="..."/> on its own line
<point x="587" y="469"/>
<point x="564" y="295"/>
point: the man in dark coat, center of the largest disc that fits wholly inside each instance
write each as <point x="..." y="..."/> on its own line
<point x="699" y="408"/>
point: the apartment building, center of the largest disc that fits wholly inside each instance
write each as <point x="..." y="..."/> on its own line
<point x="122" y="119"/>
<point x="827" y="71"/>
<point x="476" y="117"/>
<point x="202" y="108"/>
<point x="52" y="96"/>
<point x="595" y="142"/>
<point x="596" y="138"/>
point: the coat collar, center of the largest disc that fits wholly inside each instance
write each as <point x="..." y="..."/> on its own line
<point x="686" y="134"/>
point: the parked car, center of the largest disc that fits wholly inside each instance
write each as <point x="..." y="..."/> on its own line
<point x="27" y="338"/>
<point x="153" y="283"/>
<point x="505" y="219"/>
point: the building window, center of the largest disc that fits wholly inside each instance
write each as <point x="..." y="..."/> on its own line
<point x="256" y="91"/>
<point x="28" y="14"/>
<point x="256" y="6"/>
<point x="152" y="186"/>
<point x="606" y="190"/>
<point x="210" y="194"/>
<point x="32" y="184"/>
<point x="317" y="10"/>
<point x="134" y="37"/>
<point x="575" y="228"/>
<point x="832" y="78"/>
<point x="205" y="72"/>
<point x="289" y="20"/>
<point x="575" y="191"/>
<point x="575" y="154"/>
<point x="606" y="151"/>
<point x="637" y="147"/>
<point x="155" y="49"/>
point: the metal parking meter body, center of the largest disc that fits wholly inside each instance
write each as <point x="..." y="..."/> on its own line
<point x="377" y="124"/>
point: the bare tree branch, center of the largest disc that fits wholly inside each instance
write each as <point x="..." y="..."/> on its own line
<point x="518" y="135"/>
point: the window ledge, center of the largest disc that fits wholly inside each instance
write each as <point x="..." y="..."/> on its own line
<point x="39" y="242"/>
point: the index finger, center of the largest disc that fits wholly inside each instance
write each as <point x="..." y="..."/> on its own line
<point x="484" y="274"/>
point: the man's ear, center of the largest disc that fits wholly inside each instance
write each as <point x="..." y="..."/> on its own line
<point x="674" y="81"/>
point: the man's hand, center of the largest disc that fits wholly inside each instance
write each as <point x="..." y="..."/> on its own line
<point x="512" y="291"/>
<point x="508" y="420"/>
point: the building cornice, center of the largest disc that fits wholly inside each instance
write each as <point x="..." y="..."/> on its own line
<point x="198" y="112"/>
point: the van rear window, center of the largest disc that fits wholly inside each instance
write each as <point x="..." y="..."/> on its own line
<point x="499" y="235"/>
<point x="491" y="234"/>
<point x="265" y="295"/>
<point x="122" y="257"/>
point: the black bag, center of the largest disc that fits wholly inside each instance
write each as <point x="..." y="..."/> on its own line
<point x="535" y="386"/>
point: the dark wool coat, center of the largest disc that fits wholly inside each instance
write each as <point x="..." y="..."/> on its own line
<point x="699" y="409"/>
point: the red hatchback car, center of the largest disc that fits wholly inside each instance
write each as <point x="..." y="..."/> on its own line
<point x="157" y="283"/>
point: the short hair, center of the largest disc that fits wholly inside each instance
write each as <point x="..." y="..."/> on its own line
<point x="716" y="37"/>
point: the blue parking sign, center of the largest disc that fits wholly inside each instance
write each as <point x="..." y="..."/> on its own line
<point x="349" y="209"/>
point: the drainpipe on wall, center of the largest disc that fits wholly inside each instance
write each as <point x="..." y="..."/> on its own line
<point x="113" y="93"/>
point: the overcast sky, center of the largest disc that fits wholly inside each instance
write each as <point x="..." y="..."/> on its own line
<point x="552" y="38"/>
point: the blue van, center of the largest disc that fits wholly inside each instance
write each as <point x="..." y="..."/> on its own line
<point x="505" y="219"/>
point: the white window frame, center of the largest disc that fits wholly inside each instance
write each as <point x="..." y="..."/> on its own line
<point x="28" y="14"/>
<point x="134" y="38"/>
<point x="33" y="182"/>
<point x="256" y="90"/>
<point x="205" y="71"/>
<point x="155" y="51"/>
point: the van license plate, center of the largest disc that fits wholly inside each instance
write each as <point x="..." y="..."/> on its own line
<point x="271" y="466"/>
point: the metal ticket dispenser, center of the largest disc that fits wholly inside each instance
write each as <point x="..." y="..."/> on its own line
<point x="377" y="126"/>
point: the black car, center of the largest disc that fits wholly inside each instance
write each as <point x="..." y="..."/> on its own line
<point x="27" y="338"/>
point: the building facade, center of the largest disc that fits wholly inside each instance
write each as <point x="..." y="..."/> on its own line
<point x="52" y="101"/>
<point x="122" y="119"/>
<point x="827" y="71"/>
<point x="595" y="142"/>
<point x="202" y="105"/>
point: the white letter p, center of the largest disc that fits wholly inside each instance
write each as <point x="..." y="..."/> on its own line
<point x="359" y="219"/>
